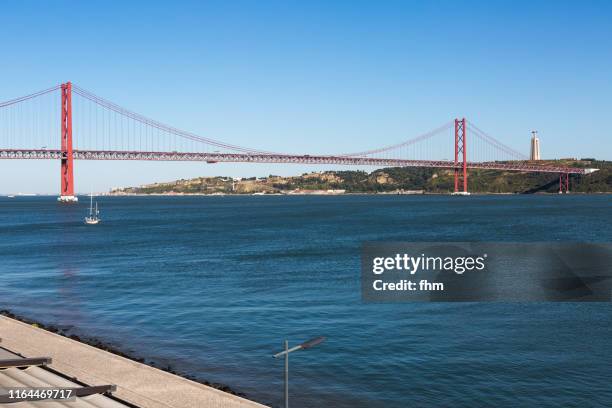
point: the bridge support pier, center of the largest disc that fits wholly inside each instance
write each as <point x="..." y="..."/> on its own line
<point x="67" y="170"/>
<point x="461" y="147"/>
<point x="564" y="186"/>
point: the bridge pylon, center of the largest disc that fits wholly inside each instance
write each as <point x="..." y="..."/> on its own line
<point x="67" y="169"/>
<point x="461" y="154"/>
<point x="564" y="186"/>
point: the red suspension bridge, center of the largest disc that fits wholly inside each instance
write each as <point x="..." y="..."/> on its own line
<point x="93" y="128"/>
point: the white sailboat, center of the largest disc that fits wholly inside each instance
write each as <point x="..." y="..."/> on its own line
<point x="93" y="214"/>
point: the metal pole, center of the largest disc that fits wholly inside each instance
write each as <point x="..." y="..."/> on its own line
<point x="286" y="374"/>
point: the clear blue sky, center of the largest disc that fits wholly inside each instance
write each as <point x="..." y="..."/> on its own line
<point x="318" y="77"/>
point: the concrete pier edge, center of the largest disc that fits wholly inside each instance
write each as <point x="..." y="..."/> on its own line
<point x="137" y="383"/>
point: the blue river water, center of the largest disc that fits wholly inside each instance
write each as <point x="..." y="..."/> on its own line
<point x="213" y="285"/>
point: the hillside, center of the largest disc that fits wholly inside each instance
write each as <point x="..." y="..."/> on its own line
<point x="389" y="180"/>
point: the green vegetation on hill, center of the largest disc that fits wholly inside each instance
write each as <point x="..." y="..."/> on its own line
<point x="395" y="179"/>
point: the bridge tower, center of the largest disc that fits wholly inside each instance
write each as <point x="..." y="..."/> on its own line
<point x="564" y="186"/>
<point x="461" y="148"/>
<point x="67" y="170"/>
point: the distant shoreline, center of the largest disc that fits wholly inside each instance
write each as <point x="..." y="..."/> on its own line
<point x="294" y="194"/>
<point x="334" y="195"/>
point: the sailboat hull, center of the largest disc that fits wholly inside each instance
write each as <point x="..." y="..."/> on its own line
<point x="93" y="216"/>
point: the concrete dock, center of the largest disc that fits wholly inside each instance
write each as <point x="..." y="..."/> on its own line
<point x="137" y="383"/>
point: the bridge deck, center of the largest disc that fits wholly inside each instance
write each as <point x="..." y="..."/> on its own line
<point x="284" y="158"/>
